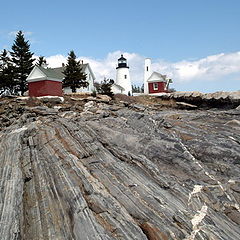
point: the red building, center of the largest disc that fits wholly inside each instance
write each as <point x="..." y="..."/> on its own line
<point x="44" y="82"/>
<point x="157" y="83"/>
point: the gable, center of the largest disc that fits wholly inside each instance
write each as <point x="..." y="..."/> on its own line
<point x="40" y="74"/>
<point x="36" y="73"/>
<point x="157" y="77"/>
<point x="56" y="74"/>
<point x="116" y="86"/>
<point x="85" y="68"/>
<point x="88" y="70"/>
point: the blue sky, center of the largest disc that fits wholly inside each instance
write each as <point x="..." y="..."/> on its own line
<point x="172" y="33"/>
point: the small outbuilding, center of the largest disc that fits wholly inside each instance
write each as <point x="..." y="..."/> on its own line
<point x="154" y="82"/>
<point x="44" y="82"/>
<point x="48" y="81"/>
<point x="117" y="89"/>
<point x="157" y="83"/>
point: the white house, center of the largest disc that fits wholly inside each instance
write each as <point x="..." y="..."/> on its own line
<point x="90" y="78"/>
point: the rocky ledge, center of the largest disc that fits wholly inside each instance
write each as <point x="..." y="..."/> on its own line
<point x="206" y="100"/>
<point x="112" y="170"/>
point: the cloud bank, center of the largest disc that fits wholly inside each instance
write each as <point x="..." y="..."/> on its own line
<point x="221" y="71"/>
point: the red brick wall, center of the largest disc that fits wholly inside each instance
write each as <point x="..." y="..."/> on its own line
<point x="161" y="87"/>
<point x="45" y="88"/>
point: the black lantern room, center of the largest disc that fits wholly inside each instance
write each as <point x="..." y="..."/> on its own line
<point x="122" y="62"/>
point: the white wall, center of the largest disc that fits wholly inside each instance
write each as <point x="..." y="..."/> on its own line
<point x="67" y="90"/>
<point x="89" y="88"/>
<point x="90" y="80"/>
<point x="36" y="73"/>
<point x="116" y="89"/>
<point x="122" y="81"/>
<point x="147" y="73"/>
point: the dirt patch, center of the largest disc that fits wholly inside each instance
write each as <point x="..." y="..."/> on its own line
<point x="152" y="232"/>
<point x="186" y="137"/>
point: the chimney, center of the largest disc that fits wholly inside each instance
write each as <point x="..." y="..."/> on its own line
<point x="63" y="65"/>
<point x="82" y="61"/>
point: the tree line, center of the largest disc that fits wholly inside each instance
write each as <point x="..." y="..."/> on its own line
<point x="137" y="89"/>
<point x="16" y="65"/>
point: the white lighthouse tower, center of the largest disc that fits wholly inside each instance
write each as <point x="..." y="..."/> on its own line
<point x="147" y="74"/>
<point x="123" y="76"/>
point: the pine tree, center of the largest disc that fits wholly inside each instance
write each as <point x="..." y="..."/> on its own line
<point x="133" y="88"/>
<point x="3" y="65"/>
<point x="105" y="87"/>
<point x="74" y="77"/>
<point x="7" y="82"/>
<point x="41" y="61"/>
<point x="22" y="60"/>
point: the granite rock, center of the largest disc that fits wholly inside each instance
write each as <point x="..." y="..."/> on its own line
<point x="120" y="173"/>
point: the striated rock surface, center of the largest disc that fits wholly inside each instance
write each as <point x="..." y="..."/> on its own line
<point x="118" y="171"/>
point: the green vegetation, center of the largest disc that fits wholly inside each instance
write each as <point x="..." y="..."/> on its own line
<point x="41" y="61"/>
<point x="74" y="77"/>
<point x="22" y="60"/>
<point x="105" y="87"/>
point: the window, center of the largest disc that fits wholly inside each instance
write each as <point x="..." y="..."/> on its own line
<point x="125" y="76"/>
<point x="155" y="86"/>
<point x="147" y="69"/>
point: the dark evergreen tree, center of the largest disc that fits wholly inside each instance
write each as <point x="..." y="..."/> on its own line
<point x="74" y="76"/>
<point x="133" y="88"/>
<point x="41" y="61"/>
<point x="3" y="65"/>
<point x="7" y="82"/>
<point x="22" y="60"/>
<point x="105" y="87"/>
<point x="136" y="89"/>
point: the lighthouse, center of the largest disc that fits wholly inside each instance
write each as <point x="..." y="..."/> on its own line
<point x="123" y="76"/>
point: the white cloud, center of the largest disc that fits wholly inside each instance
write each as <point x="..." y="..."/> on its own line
<point x="56" y="60"/>
<point x="106" y="67"/>
<point x="210" y="68"/>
